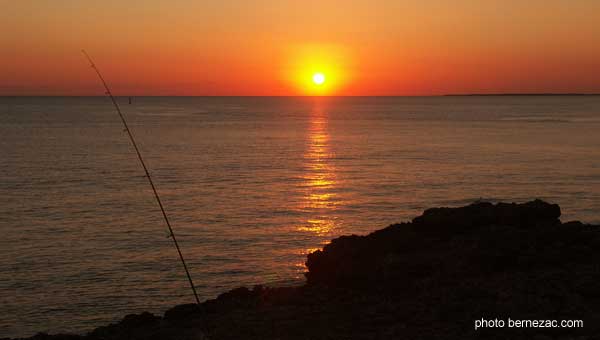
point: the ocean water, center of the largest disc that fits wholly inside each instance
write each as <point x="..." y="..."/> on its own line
<point x="252" y="185"/>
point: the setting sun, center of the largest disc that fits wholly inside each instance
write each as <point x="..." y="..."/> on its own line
<point x="318" y="78"/>
<point x="318" y="70"/>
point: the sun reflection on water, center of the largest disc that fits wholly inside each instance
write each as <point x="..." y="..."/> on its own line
<point x="319" y="178"/>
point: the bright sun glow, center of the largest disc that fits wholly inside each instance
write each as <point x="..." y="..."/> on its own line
<point x="318" y="78"/>
<point x="318" y="70"/>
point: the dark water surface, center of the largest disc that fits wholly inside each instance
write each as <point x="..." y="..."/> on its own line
<point x="252" y="185"/>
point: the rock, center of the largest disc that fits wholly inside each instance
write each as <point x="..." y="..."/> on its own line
<point x="183" y="313"/>
<point x="423" y="247"/>
<point x="485" y="213"/>
<point x="143" y="320"/>
<point x="133" y="326"/>
<point x="44" y="336"/>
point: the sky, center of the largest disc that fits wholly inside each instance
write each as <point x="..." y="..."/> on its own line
<point x="270" y="47"/>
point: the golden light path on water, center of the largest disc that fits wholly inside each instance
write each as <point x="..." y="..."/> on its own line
<point x="320" y="177"/>
<point x="319" y="181"/>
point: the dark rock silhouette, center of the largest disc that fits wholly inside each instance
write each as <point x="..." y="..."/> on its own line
<point x="429" y="244"/>
<point x="428" y="279"/>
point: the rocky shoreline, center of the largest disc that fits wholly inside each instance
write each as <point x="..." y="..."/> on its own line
<point x="432" y="278"/>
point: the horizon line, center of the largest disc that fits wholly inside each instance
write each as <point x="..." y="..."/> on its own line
<point x="499" y="94"/>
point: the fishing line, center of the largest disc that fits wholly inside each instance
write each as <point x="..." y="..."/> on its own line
<point x="137" y="151"/>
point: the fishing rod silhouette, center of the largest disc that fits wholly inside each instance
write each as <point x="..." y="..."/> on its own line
<point x="141" y="159"/>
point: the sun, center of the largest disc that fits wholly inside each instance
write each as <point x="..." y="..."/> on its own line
<point x="318" y="78"/>
<point x="317" y="70"/>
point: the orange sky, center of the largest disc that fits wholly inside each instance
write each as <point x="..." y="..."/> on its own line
<point x="249" y="47"/>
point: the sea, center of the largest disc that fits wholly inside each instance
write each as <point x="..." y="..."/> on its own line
<point x="251" y="186"/>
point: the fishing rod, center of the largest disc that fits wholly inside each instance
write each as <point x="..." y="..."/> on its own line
<point x="141" y="159"/>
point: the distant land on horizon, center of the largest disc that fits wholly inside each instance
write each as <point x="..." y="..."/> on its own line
<point x="519" y="94"/>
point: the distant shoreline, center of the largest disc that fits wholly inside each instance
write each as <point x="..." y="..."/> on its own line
<point x="519" y="94"/>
